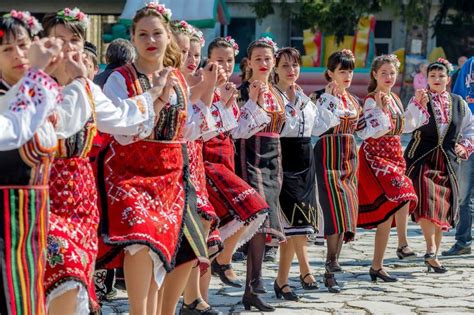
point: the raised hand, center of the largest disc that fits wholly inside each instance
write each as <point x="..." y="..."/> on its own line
<point x="460" y="151"/>
<point x="382" y="99"/>
<point x="421" y="96"/>
<point x="195" y="78"/>
<point x="261" y="96"/>
<point x="45" y="54"/>
<point x="254" y="90"/>
<point x="159" y="80"/>
<point x="171" y="82"/>
<point x="228" y="92"/>
<point x="75" y="66"/>
<point x="210" y="74"/>
<point x="221" y="76"/>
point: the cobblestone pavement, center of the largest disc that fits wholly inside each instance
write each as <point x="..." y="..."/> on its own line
<point x="417" y="292"/>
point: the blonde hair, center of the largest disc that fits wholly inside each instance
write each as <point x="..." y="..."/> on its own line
<point x="172" y="56"/>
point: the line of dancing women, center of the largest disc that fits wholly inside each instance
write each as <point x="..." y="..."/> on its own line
<point x="167" y="168"/>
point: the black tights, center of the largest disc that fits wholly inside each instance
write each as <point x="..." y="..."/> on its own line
<point x="255" y="254"/>
<point x="334" y="243"/>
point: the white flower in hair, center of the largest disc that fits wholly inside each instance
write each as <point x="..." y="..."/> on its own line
<point x="233" y="43"/>
<point x="161" y="9"/>
<point x="270" y="42"/>
<point x="74" y="15"/>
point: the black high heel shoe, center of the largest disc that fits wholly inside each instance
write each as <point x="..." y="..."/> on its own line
<point x="331" y="283"/>
<point x="249" y="300"/>
<point x="308" y="286"/>
<point x="256" y="286"/>
<point x="374" y="274"/>
<point x="333" y="266"/>
<point x="220" y="270"/>
<point x="436" y="269"/>
<point x="289" y="296"/>
<point x="190" y="309"/>
<point x="401" y="254"/>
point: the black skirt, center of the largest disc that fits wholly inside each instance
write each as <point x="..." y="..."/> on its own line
<point x="298" y="195"/>
<point x="258" y="162"/>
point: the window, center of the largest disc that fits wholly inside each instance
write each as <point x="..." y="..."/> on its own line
<point x="383" y="37"/>
<point x="243" y="31"/>
<point x="296" y="35"/>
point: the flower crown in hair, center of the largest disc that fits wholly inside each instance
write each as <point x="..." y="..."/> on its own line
<point x="199" y="35"/>
<point x="392" y="58"/>
<point x="267" y="40"/>
<point x="74" y="15"/>
<point x="184" y="27"/>
<point x="349" y="53"/>
<point x="161" y="9"/>
<point x="24" y="16"/>
<point x="233" y="43"/>
<point x="445" y="63"/>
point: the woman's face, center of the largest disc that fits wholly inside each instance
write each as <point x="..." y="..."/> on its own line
<point x="225" y="57"/>
<point x="386" y="76"/>
<point x="438" y="80"/>
<point x="13" y="57"/>
<point x="342" y="77"/>
<point x="194" y="57"/>
<point x="71" y="40"/>
<point x="184" y="44"/>
<point x="261" y="61"/>
<point x="288" y="70"/>
<point x="150" y="38"/>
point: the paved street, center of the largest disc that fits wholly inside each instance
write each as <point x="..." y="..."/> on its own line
<point x="416" y="293"/>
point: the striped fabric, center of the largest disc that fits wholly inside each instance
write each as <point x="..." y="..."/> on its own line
<point x="433" y="188"/>
<point x="336" y="167"/>
<point x="23" y="227"/>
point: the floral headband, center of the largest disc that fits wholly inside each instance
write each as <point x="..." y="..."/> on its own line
<point x="74" y="15"/>
<point x="349" y="53"/>
<point x="233" y="43"/>
<point x="161" y="9"/>
<point x="267" y="40"/>
<point x="390" y="58"/>
<point x="24" y="16"/>
<point x="199" y="35"/>
<point x="445" y="63"/>
<point x="183" y="27"/>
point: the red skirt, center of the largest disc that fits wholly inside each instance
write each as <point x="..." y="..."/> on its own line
<point x="383" y="187"/>
<point x="73" y="223"/>
<point x="435" y="192"/>
<point x="197" y="176"/>
<point x="230" y="195"/>
<point x="146" y="190"/>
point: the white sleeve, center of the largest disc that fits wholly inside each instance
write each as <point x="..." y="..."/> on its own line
<point x="199" y="121"/>
<point x="324" y="120"/>
<point x="252" y="119"/>
<point x="415" y="116"/>
<point x="376" y="122"/>
<point x="224" y="118"/>
<point x="292" y="120"/>
<point x="142" y="123"/>
<point x="26" y="107"/>
<point x="467" y="129"/>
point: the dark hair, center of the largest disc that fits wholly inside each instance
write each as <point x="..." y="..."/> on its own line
<point x="376" y="64"/>
<point x="291" y="53"/>
<point x="120" y="52"/>
<point x="12" y="28"/>
<point x="258" y="44"/>
<point x="337" y="58"/>
<point x="436" y="66"/>
<point x="50" y="20"/>
<point x="172" y="56"/>
<point x="218" y="42"/>
<point x="243" y="66"/>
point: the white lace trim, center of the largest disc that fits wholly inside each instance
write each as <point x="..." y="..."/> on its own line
<point x="159" y="271"/>
<point x="82" y="302"/>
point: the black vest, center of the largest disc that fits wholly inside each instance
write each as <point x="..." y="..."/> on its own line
<point x="427" y="139"/>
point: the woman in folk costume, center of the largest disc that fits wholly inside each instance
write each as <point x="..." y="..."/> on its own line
<point x="193" y="303"/>
<point x="336" y="161"/>
<point x="149" y="216"/>
<point x="28" y="97"/>
<point x="433" y="158"/>
<point x="298" y="196"/>
<point x="74" y="217"/>
<point x="386" y="194"/>
<point x="240" y="208"/>
<point x="258" y="161"/>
